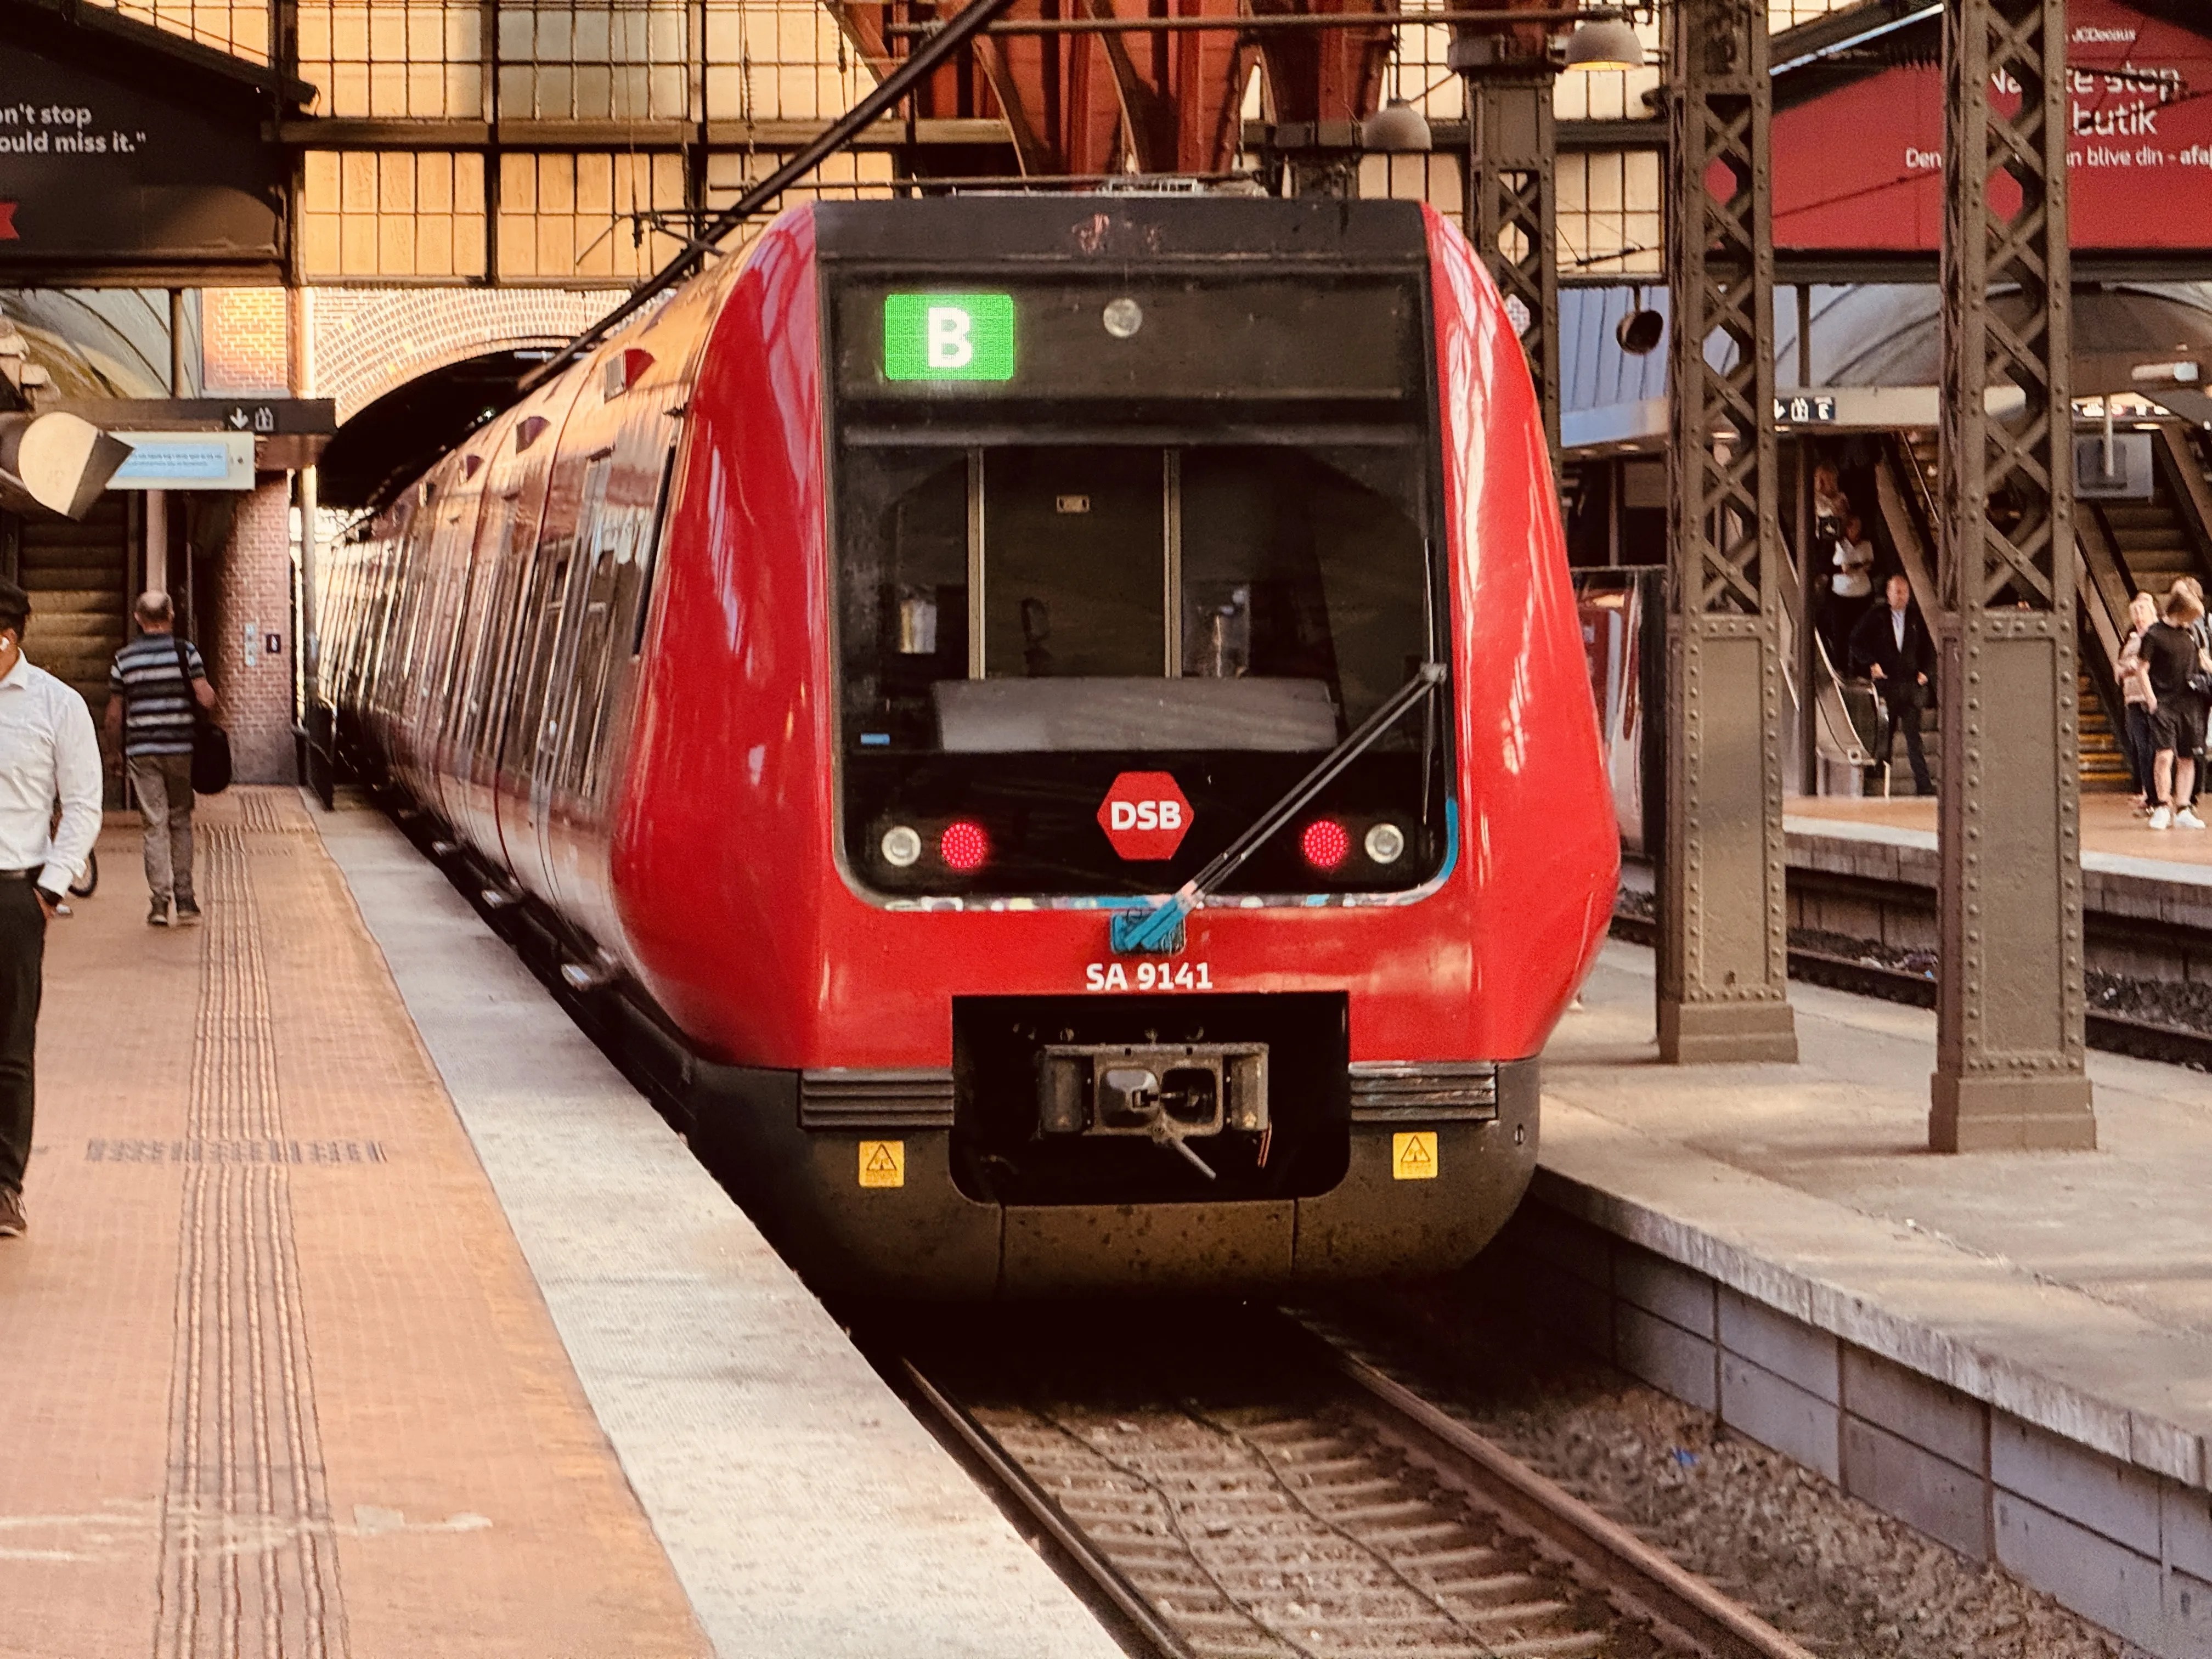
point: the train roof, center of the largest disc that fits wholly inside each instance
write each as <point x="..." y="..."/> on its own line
<point x="1150" y="226"/>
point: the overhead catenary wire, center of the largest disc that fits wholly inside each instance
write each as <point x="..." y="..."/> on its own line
<point x="894" y="87"/>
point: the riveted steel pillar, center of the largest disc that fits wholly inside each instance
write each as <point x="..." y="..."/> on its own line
<point x="1511" y="214"/>
<point x="2008" y="1066"/>
<point x="1723" y="938"/>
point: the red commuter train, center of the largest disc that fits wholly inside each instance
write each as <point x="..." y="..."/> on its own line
<point x="1054" y="728"/>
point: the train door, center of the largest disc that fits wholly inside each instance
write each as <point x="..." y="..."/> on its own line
<point x="1074" y="562"/>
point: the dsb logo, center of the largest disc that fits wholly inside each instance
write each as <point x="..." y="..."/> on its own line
<point x="1145" y="815"/>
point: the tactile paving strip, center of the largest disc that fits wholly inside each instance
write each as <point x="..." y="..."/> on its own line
<point x="248" y="1564"/>
<point x="278" y="1383"/>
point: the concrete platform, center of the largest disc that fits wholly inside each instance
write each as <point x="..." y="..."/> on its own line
<point x="1868" y="869"/>
<point x="330" y="1338"/>
<point x="2012" y="1351"/>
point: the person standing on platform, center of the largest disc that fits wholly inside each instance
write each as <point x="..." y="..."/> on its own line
<point x="1891" y="646"/>
<point x="2139" y="701"/>
<point x="156" y="680"/>
<point x="48" y="753"/>
<point x="2177" y="723"/>
<point x="2201" y="631"/>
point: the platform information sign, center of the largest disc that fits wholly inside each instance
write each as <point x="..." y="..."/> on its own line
<point x="948" y="337"/>
<point x="186" y="461"/>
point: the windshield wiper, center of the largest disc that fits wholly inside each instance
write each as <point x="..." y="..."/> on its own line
<point x="1159" y="931"/>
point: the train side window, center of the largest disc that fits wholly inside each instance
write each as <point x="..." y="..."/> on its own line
<point x="608" y="537"/>
<point x="648" y="555"/>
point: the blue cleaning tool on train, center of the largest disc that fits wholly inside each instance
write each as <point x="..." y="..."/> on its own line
<point x="1160" y="930"/>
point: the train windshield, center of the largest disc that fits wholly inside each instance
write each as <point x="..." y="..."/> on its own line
<point x="1085" y="639"/>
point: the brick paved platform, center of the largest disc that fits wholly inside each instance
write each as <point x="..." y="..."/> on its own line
<point x="807" y="1513"/>
<point x="278" y="1379"/>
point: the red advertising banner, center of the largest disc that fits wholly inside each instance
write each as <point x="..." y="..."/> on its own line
<point x="1862" y="167"/>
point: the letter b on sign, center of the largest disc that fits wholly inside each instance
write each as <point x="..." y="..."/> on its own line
<point x="948" y="337"/>
<point x="950" y="346"/>
<point x="1145" y="815"/>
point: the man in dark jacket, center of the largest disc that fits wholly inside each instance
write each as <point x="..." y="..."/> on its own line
<point x="1891" y="646"/>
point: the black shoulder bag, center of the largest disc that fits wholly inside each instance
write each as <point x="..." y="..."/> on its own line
<point x="210" y="743"/>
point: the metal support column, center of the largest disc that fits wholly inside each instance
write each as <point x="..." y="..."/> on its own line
<point x="1723" y="957"/>
<point x="2008" y="1067"/>
<point x="1511" y="215"/>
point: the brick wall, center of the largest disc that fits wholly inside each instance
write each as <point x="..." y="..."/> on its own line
<point x="253" y="585"/>
<point x="245" y="352"/>
<point x="243" y="339"/>
<point x="372" y="340"/>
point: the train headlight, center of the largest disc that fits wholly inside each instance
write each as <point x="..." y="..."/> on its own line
<point x="1122" y="317"/>
<point x="901" y="846"/>
<point x="1386" y="843"/>
<point x="1325" y="844"/>
<point x="964" y="846"/>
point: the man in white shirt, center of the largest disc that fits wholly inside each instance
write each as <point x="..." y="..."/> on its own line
<point x="48" y="753"/>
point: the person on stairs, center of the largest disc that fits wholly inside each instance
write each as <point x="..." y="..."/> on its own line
<point x="1891" y="647"/>
<point x="154" y="683"/>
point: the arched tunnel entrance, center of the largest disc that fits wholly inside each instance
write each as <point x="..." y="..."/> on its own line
<point x="398" y="437"/>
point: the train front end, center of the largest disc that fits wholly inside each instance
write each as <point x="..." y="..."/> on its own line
<point x="1205" y="806"/>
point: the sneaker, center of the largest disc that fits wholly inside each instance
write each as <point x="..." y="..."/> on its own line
<point x="12" y="1219"/>
<point x="188" y="914"/>
<point x="159" y="916"/>
<point x="2186" y="818"/>
<point x="2161" y="818"/>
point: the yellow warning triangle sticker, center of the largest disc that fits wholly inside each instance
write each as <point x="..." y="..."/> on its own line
<point x="1413" y="1155"/>
<point x="883" y="1163"/>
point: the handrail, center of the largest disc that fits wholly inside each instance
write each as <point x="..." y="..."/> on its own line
<point x="2187" y="470"/>
<point x="1914" y="523"/>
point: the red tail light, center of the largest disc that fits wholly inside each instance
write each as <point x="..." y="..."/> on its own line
<point x="1326" y="843"/>
<point x="964" y="847"/>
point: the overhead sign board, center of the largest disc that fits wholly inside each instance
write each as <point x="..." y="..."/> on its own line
<point x="186" y="461"/>
<point x="1858" y="166"/>
<point x="119" y="157"/>
<point x="948" y="337"/>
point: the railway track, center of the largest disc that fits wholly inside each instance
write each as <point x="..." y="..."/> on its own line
<point x="1246" y="1487"/>
<point x="2113" y="1033"/>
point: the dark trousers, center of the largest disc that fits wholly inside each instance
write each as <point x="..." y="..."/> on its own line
<point x="1901" y="706"/>
<point x="23" y="954"/>
<point x="2142" y="751"/>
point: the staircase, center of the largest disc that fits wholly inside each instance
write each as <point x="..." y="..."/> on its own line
<point x="2151" y="539"/>
<point x="2104" y="761"/>
<point x="77" y="575"/>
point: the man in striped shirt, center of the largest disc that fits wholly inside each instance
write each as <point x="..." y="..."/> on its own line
<point x="156" y="680"/>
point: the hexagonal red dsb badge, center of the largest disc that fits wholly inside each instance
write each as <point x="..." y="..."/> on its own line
<point x="1145" y="815"/>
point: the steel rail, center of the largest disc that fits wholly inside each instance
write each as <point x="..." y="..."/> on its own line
<point x="2109" y="1033"/>
<point x="1640" y="1585"/>
<point x="1640" y="1581"/>
<point x="1015" y="1479"/>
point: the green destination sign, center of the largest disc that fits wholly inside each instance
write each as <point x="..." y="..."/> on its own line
<point x="948" y="337"/>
